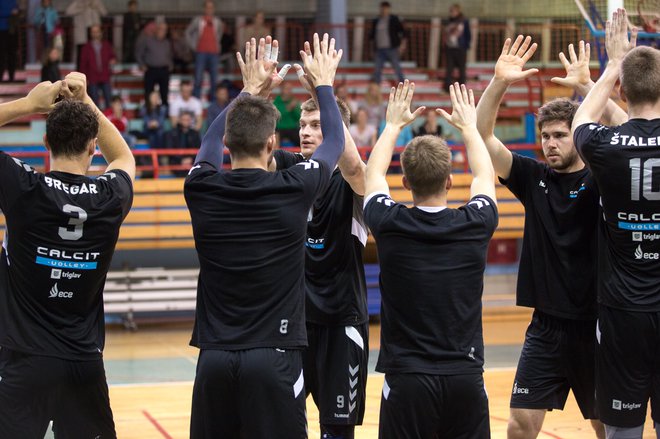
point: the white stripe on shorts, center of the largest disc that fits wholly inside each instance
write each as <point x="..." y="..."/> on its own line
<point x="299" y="385"/>
<point x="354" y="335"/>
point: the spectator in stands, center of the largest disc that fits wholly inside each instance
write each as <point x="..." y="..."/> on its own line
<point x="9" y="22"/>
<point x="181" y="52"/>
<point x="257" y="29"/>
<point x="430" y="125"/>
<point x="130" y="30"/>
<point x="115" y="114"/>
<point x="362" y="132"/>
<point x="457" y="42"/>
<point x="289" y="107"/>
<point x="221" y="102"/>
<point x="373" y="103"/>
<point x="154" y="55"/>
<point x="154" y="115"/>
<point x="45" y="20"/>
<point x="186" y="102"/>
<point x="96" y="60"/>
<point x="85" y="13"/>
<point x="203" y="35"/>
<point x="341" y="91"/>
<point x="389" y="38"/>
<point x="50" y="68"/>
<point x="182" y="136"/>
<point x="227" y="59"/>
<point x="404" y="137"/>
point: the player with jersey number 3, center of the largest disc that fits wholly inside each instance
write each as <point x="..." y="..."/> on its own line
<point x="432" y="261"/>
<point x="61" y="231"/>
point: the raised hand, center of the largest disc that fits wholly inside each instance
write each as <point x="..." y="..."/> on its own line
<point x="42" y="98"/>
<point x="509" y="66"/>
<point x="398" y="108"/>
<point x="464" y="113"/>
<point x="259" y="69"/>
<point x="578" y="74"/>
<point x="321" y="66"/>
<point x="616" y="36"/>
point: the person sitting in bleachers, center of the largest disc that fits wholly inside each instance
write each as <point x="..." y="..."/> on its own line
<point x="182" y="136"/>
<point x="186" y="102"/>
<point x="154" y="115"/>
<point x="115" y="113"/>
<point x="50" y="68"/>
<point x="362" y="132"/>
<point x="221" y="102"/>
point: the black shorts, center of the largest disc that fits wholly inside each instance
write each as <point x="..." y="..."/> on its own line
<point x="35" y="390"/>
<point x="335" y="365"/>
<point x="628" y="366"/>
<point x="252" y="393"/>
<point x="418" y="406"/>
<point x="558" y="355"/>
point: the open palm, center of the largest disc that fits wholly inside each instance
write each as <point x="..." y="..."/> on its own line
<point x="510" y="64"/>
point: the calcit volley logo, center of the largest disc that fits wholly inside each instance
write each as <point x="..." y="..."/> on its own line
<point x="56" y="293"/>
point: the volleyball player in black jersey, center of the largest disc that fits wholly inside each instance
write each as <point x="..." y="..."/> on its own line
<point x="625" y="161"/>
<point x="61" y="230"/>
<point x="432" y="261"/>
<point x="249" y="226"/>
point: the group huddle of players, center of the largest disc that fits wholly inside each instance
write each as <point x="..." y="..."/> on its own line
<point x="281" y="304"/>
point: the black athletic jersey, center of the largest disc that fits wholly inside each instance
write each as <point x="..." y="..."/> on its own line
<point x="335" y="286"/>
<point x="61" y="231"/>
<point x="557" y="272"/>
<point x="431" y="282"/>
<point x="625" y="161"/>
<point x="249" y="229"/>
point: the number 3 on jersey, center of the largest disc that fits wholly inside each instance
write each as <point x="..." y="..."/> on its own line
<point x="78" y="217"/>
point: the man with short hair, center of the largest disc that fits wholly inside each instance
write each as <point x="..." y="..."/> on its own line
<point x="249" y="229"/>
<point x="556" y="276"/>
<point x="61" y="231"/>
<point x="204" y="34"/>
<point x="432" y="260"/>
<point x="336" y="360"/>
<point x="96" y="60"/>
<point x="389" y="39"/>
<point x="154" y="55"/>
<point x="624" y="160"/>
<point x="182" y="136"/>
<point x="186" y="102"/>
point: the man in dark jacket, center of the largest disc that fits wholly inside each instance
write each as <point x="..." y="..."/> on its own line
<point x="183" y="136"/>
<point x="457" y="43"/>
<point x="388" y="36"/>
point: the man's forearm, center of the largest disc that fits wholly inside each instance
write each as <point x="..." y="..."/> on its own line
<point x="381" y="155"/>
<point x="478" y="158"/>
<point x="13" y="110"/>
<point x="595" y="102"/>
<point x="489" y="105"/>
<point x="332" y="146"/>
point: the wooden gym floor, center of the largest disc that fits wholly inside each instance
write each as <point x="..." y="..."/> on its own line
<point x="150" y="374"/>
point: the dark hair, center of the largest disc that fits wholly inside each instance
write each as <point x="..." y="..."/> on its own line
<point x="426" y="164"/>
<point x="185" y="82"/>
<point x="557" y="110"/>
<point x="640" y="75"/>
<point x="250" y="122"/>
<point x="310" y="105"/>
<point x="70" y="127"/>
<point x="385" y="4"/>
<point x="116" y="98"/>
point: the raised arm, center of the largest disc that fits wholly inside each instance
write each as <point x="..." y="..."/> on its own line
<point x="41" y="99"/>
<point x="578" y="78"/>
<point x="464" y="117"/>
<point x="350" y="163"/>
<point x="398" y="116"/>
<point x="321" y="68"/>
<point x="508" y="69"/>
<point x="617" y="45"/>
<point x="112" y="145"/>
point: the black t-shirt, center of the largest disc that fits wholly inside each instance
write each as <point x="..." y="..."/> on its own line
<point x="625" y="162"/>
<point x="60" y="236"/>
<point x="249" y="228"/>
<point x="431" y="282"/>
<point x="557" y="273"/>
<point x="335" y="286"/>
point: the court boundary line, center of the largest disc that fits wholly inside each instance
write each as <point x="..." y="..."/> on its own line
<point x="156" y="424"/>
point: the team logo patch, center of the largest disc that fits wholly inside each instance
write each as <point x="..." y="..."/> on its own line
<point x="385" y="200"/>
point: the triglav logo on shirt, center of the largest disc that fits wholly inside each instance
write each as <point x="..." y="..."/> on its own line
<point x="55" y="292"/>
